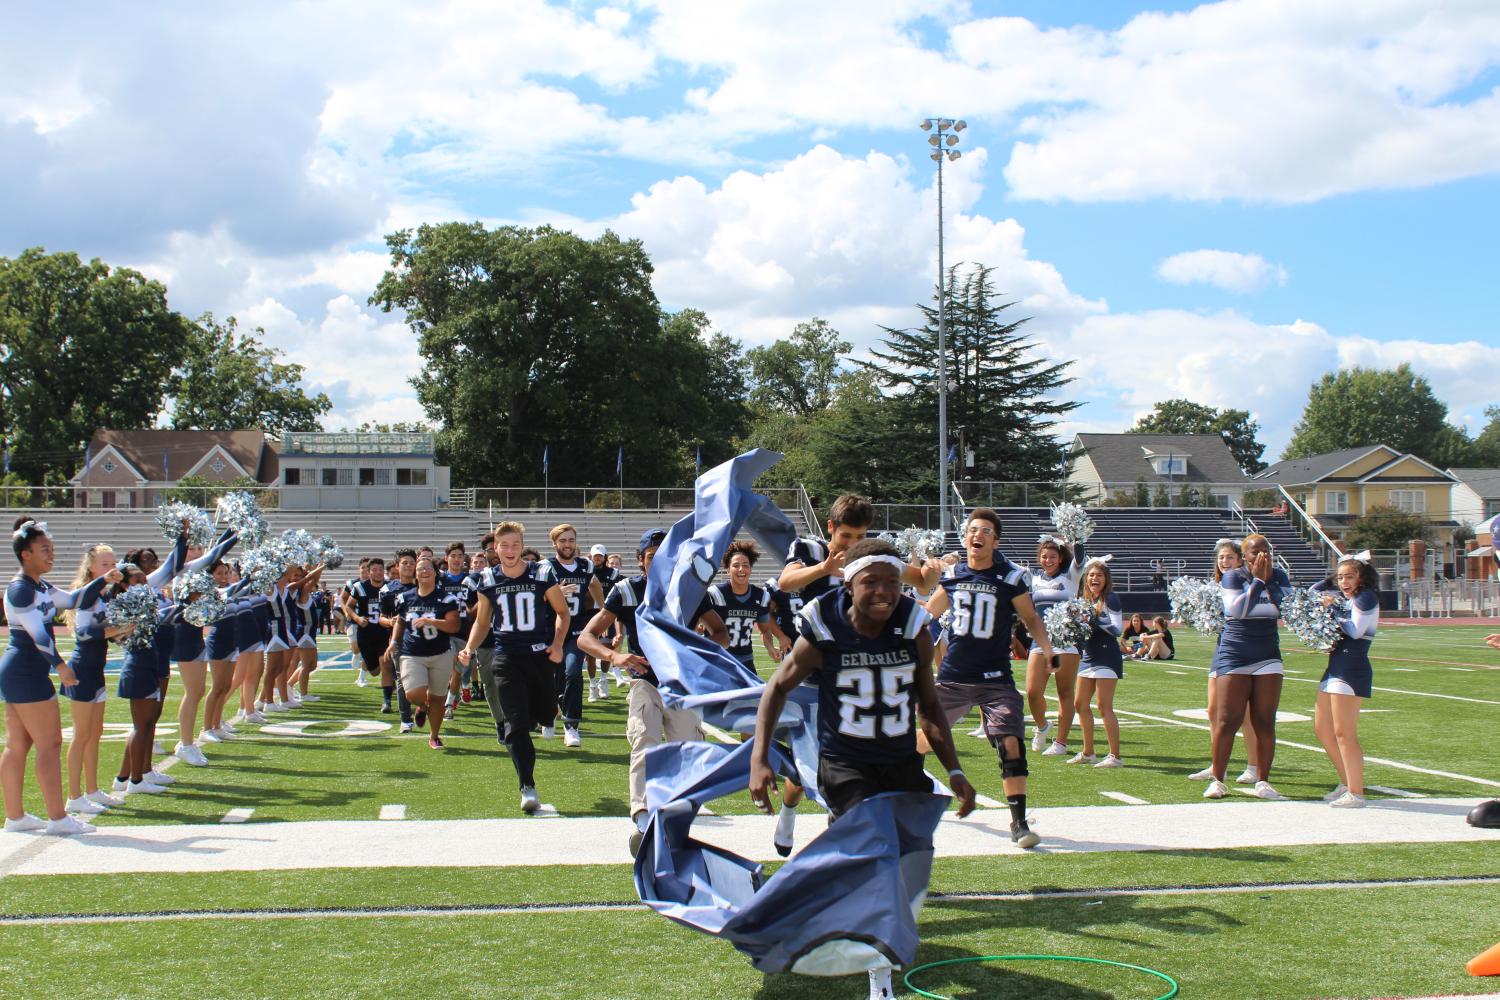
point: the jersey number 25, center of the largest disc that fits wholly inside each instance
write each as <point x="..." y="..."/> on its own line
<point x="859" y="707"/>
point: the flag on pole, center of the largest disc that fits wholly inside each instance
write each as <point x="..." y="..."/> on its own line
<point x="545" y="449"/>
<point x="953" y="453"/>
<point x="7" y="458"/>
<point x="698" y="462"/>
<point x="166" y="469"/>
<point x="620" y="461"/>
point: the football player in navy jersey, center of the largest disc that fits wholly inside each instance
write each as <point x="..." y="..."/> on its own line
<point x="984" y="591"/>
<point x="650" y="720"/>
<point x="483" y="661"/>
<point x="405" y="579"/>
<point x="607" y="572"/>
<point x="746" y="608"/>
<point x="813" y="567"/>
<point x="869" y="650"/>
<point x="582" y="591"/>
<point x="362" y="608"/>
<point x="426" y="617"/>
<point x="511" y="596"/>
<point x="454" y="581"/>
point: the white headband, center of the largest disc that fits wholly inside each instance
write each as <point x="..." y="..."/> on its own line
<point x="27" y="527"/>
<point x="1363" y="557"/>
<point x="1061" y="543"/>
<point x="1100" y="559"/>
<point x="865" y="562"/>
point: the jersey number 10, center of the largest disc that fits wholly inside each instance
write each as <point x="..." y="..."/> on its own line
<point x="517" y="612"/>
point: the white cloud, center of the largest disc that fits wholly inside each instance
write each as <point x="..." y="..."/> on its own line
<point x="1240" y="273"/>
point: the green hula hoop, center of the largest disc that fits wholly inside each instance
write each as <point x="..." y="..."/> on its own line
<point x="1034" y="958"/>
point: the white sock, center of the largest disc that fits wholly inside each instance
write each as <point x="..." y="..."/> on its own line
<point x="786" y="821"/>
<point x="880" y="984"/>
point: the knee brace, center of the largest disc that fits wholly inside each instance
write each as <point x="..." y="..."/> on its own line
<point x="1012" y="767"/>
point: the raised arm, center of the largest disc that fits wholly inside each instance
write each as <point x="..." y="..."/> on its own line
<point x="163" y="574"/>
<point x="224" y="544"/>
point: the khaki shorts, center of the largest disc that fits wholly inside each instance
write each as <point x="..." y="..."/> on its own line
<point x="430" y="672"/>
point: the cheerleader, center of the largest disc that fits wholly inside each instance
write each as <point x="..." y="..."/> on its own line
<point x="86" y="698"/>
<point x="1060" y="567"/>
<point x="277" y="644"/>
<point x="1227" y="557"/>
<point x="305" y="655"/>
<point x="252" y="626"/>
<point x="1247" y="664"/>
<point x="147" y="670"/>
<point x="32" y="719"/>
<point x="222" y="649"/>
<point x="188" y="651"/>
<point x="1346" y="683"/>
<point x="1101" y="666"/>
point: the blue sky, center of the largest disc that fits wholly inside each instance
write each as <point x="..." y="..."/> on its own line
<point x="1219" y="201"/>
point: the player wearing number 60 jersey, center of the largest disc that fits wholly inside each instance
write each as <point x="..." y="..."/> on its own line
<point x="985" y="592"/>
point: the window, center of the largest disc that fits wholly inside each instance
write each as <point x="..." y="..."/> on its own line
<point x="367" y="476"/>
<point x="384" y="477"/>
<point x="338" y="477"/>
<point x="1491" y="508"/>
<point x="218" y="464"/>
<point x="403" y="477"/>
<point x="292" y="477"/>
<point x="1302" y="500"/>
<point x="1411" y="501"/>
<point x="1170" y="465"/>
<point x="1336" y="502"/>
<point x="411" y="477"/>
<point x="109" y="465"/>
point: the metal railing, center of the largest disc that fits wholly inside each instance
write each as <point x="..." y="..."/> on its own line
<point x="1308" y="527"/>
<point x="1001" y="493"/>
<point x="647" y="498"/>
<point x="124" y="499"/>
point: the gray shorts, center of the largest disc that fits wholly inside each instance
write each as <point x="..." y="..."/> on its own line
<point x="1001" y="707"/>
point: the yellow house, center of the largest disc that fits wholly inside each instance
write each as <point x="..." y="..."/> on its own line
<point x="1337" y="488"/>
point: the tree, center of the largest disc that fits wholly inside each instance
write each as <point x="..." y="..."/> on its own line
<point x="540" y="339"/>
<point x="1486" y="446"/>
<point x="1001" y="392"/>
<point x="1183" y="416"/>
<point x="399" y="427"/>
<point x="230" y="380"/>
<point x="1361" y="407"/>
<point x="1385" y="528"/>
<point x="797" y="375"/>
<point x="82" y="346"/>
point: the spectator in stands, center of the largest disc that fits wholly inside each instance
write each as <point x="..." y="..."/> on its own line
<point x="1280" y="510"/>
<point x="1158" y="575"/>
<point x="1131" y="637"/>
<point x="1156" y="643"/>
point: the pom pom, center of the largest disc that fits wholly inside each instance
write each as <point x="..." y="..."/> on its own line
<point x="1069" y="622"/>
<point x="199" y="596"/>
<point x="1197" y="604"/>
<point x="240" y="511"/>
<point x="263" y="566"/>
<point x="329" y="553"/>
<point x="915" y="542"/>
<point x="1310" y="621"/>
<point x="1072" y="522"/>
<point x="200" y="529"/>
<point x="136" y="606"/>
<point x="299" y="547"/>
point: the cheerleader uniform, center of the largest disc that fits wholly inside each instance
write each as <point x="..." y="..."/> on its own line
<point x="222" y="642"/>
<point x="147" y="664"/>
<point x="91" y="649"/>
<point x="188" y="643"/>
<point x="1250" y="643"/>
<point x="277" y="640"/>
<point x="1101" y="650"/>
<point x="264" y="619"/>
<point x="1349" y="670"/>
<point x="30" y="607"/>
<point x="1047" y="591"/>
<point x="307" y="637"/>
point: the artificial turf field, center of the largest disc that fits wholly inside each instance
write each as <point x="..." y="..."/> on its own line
<point x="1434" y="710"/>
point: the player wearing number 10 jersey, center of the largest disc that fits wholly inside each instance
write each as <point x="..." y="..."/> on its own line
<point x="984" y="592"/>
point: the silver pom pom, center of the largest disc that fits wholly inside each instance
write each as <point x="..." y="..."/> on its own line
<point x="329" y="553"/>
<point x="263" y="566"/>
<point x="1197" y="604"/>
<point x="136" y="606"/>
<point x="199" y="597"/>
<point x="200" y="529"/>
<point x="1309" y="620"/>
<point x="1072" y="522"/>
<point x="240" y="511"/>
<point x="1069" y="622"/>
<point x="917" y="543"/>
<point x="299" y="546"/>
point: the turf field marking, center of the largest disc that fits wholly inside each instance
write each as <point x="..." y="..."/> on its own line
<point x="1418" y="694"/>
<point x="723" y="736"/>
<point x="352" y="727"/>
<point x="507" y="909"/>
<point x="393" y="812"/>
<point x="1400" y="793"/>
<point x="1463" y="670"/>
<point x="1129" y="800"/>
<point x="1178" y="673"/>
<point x="1406" y="670"/>
<point x="237" y="815"/>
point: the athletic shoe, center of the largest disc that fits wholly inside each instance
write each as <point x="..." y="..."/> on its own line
<point x="593" y="694"/>
<point x="1110" y="760"/>
<point x="144" y="787"/>
<point x="255" y="718"/>
<point x="67" y="826"/>
<point x="448" y="713"/>
<point x="210" y="736"/>
<point x="156" y="748"/>
<point x="467" y="694"/>
<point x="1339" y="791"/>
<point x="385" y="709"/>
<point x="434" y="743"/>
<point x="636" y="836"/>
<point x="84" y="804"/>
<point x="189" y="753"/>
<point x="978" y="731"/>
<point x="225" y="735"/>
<point x="603" y="689"/>
<point x="1348" y="801"/>
<point x="25" y="823"/>
<point x="1082" y="758"/>
<point x="227" y="729"/>
<point x="1021" y="836"/>
<point x="311" y="697"/>
<point x="548" y="732"/>
<point x="359" y="677"/>
<point x="157" y="778"/>
<point x="405" y="728"/>
<point x="1207" y="774"/>
<point x="273" y="706"/>
<point x="1055" y="750"/>
<point x="420" y="717"/>
<point x="571" y="737"/>
<point x="1263" y="790"/>
<point x="1039" y="738"/>
<point x="529" y="802"/>
<point x="1216" y="790"/>
<point x="119" y="785"/>
<point x="105" y="799"/>
<point x="1248" y="776"/>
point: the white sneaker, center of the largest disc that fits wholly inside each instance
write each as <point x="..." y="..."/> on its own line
<point x="256" y="719"/>
<point x="1207" y="774"/>
<point x="144" y="787"/>
<point x="119" y="785"/>
<point x="189" y="753"/>
<point x="105" y="799"/>
<point x="311" y="698"/>
<point x="571" y="738"/>
<point x="1216" y="790"/>
<point x="67" y="827"/>
<point x="1249" y="776"/>
<point x="25" y="823"/>
<point x="1348" y="801"/>
<point x="978" y="731"/>
<point x="1055" y="750"/>
<point x="210" y="736"/>
<point x="158" y="778"/>
<point x="603" y="689"/>
<point x="593" y="694"/>
<point x="548" y="732"/>
<point x="156" y="748"/>
<point x="1339" y="791"/>
<point x="1041" y="737"/>
<point x="359" y="677"/>
<point x="85" y="805"/>
<point x="1263" y="790"/>
<point x="1082" y="758"/>
<point x="272" y="707"/>
<point x="529" y="802"/>
<point x="1110" y="761"/>
<point x="227" y="729"/>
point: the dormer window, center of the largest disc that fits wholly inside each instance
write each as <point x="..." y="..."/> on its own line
<point x="1167" y="463"/>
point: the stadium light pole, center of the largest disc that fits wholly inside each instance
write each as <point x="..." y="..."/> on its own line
<point x="942" y="136"/>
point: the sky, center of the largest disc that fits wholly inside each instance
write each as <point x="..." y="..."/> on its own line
<point x="1219" y="202"/>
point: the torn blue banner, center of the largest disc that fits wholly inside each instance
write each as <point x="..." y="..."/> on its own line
<point x="845" y="903"/>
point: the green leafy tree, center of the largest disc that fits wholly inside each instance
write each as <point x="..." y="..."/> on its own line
<point x="1359" y="407"/>
<point x="204" y="492"/>
<point x="1385" y="528"/>
<point x="1183" y="416"/>
<point x="82" y="346"/>
<point x="231" y="380"/>
<point x="399" y="427"/>
<point x="1486" y="445"/>
<point x="800" y="374"/>
<point x="539" y="338"/>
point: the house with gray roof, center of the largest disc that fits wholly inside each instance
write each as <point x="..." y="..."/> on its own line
<point x="1196" y="469"/>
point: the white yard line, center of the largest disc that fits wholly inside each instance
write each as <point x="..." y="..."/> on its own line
<point x="1400" y="793"/>
<point x="1129" y="800"/>
<point x="237" y="815"/>
<point x="722" y="735"/>
<point x="393" y="812"/>
<point x="1418" y="694"/>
